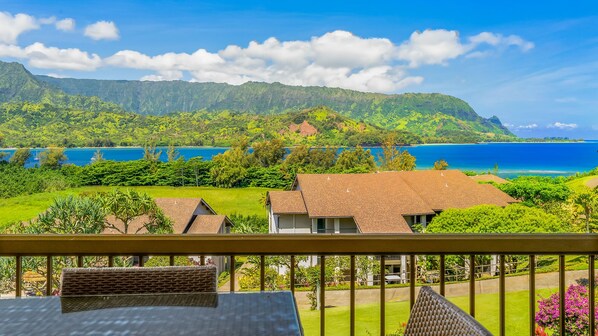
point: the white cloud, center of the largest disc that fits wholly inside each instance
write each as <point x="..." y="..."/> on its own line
<point x="529" y="126"/>
<point x="562" y="126"/>
<point x="102" y="30"/>
<point x="335" y="59"/>
<point x="67" y="24"/>
<point x="498" y="40"/>
<point x="13" y="26"/>
<point x="43" y="57"/>
<point x="431" y="47"/>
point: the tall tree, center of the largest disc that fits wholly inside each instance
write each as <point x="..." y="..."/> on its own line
<point x="151" y="153"/>
<point x="71" y="215"/>
<point x="98" y="156"/>
<point x="230" y="167"/>
<point x="172" y="153"/>
<point x="356" y="160"/>
<point x="52" y="158"/>
<point x="20" y="156"/>
<point x="393" y="158"/>
<point x="268" y="153"/>
<point x="440" y="165"/>
<point x="587" y="203"/>
<point x="128" y="205"/>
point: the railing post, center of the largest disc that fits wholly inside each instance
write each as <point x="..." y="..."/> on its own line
<point x="532" y="294"/>
<point x="262" y="273"/>
<point x="292" y="275"/>
<point x="442" y="274"/>
<point x="141" y="262"/>
<point x="202" y="260"/>
<point x="352" y="298"/>
<point x="232" y="273"/>
<point x="562" y="294"/>
<point x="501" y="293"/>
<point x="19" y="276"/>
<point x="80" y="261"/>
<point x="322" y="296"/>
<point x="110" y="261"/>
<point x="412" y="275"/>
<point x="171" y="260"/>
<point x="382" y="296"/>
<point x="592" y="285"/>
<point x="472" y="285"/>
<point x="49" y="272"/>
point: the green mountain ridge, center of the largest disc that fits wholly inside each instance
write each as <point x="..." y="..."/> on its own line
<point x="435" y="116"/>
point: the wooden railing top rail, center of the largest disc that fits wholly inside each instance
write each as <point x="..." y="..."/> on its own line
<point x="295" y="244"/>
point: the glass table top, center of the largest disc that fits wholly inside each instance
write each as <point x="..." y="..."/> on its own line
<point x="263" y="313"/>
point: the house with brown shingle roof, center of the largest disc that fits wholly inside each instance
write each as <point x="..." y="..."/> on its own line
<point x="188" y="216"/>
<point x="384" y="202"/>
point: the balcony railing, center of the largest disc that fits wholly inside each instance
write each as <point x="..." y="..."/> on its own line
<point x="323" y="245"/>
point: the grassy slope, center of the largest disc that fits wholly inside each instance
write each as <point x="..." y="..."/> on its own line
<point x="580" y="183"/>
<point x="368" y="316"/>
<point x="225" y="201"/>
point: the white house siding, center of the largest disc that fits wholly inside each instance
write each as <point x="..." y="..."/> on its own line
<point x="290" y="224"/>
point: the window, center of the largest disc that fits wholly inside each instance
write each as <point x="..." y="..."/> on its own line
<point x="321" y="225"/>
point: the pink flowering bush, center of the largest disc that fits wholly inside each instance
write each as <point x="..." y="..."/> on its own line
<point x="576" y="311"/>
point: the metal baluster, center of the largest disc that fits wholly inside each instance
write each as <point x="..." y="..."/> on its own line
<point x="472" y="285"/>
<point x="382" y="296"/>
<point x="592" y="285"/>
<point x="262" y="273"/>
<point x="49" y="275"/>
<point x="292" y="280"/>
<point x="501" y="293"/>
<point x="412" y="271"/>
<point x="442" y="275"/>
<point x="562" y="294"/>
<point x="532" y="295"/>
<point x="322" y="296"/>
<point x="19" y="276"/>
<point x="232" y="273"/>
<point x="352" y="298"/>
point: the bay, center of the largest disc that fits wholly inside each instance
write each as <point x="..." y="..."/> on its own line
<point x="512" y="159"/>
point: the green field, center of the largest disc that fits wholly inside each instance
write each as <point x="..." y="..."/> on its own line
<point x="580" y="183"/>
<point x="246" y="201"/>
<point x="367" y="320"/>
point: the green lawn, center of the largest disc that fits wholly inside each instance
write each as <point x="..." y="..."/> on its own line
<point x="245" y="201"/>
<point x="367" y="320"/>
<point x="580" y="183"/>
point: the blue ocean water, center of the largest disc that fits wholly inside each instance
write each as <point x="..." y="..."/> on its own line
<point x="512" y="159"/>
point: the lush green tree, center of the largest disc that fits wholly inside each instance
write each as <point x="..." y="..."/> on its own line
<point x="587" y="205"/>
<point x="536" y="190"/>
<point x="52" y="158"/>
<point x="151" y="153"/>
<point x="71" y="215"/>
<point x="230" y="167"/>
<point x="97" y="156"/>
<point x="20" y="156"/>
<point x="355" y="160"/>
<point x="249" y="224"/>
<point x="322" y="159"/>
<point x="440" y="165"/>
<point x="172" y="153"/>
<point x="4" y="156"/>
<point x="128" y="205"/>
<point x="268" y="153"/>
<point x="393" y="158"/>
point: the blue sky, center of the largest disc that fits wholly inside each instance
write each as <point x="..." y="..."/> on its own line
<point x="534" y="66"/>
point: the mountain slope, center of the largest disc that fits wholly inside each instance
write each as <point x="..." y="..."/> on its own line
<point x="42" y="125"/>
<point x="426" y="114"/>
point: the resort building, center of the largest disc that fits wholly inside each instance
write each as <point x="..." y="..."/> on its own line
<point x="188" y="216"/>
<point x="385" y="202"/>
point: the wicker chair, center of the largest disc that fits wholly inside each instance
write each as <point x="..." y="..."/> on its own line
<point x="433" y="315"/>
<point x="138" y="280"/>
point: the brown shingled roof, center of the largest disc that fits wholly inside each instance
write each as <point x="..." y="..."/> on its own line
<point x="489" y="178"/>
<point x="179" y="210"/>
<point x="287" y="202"/>
<point x="208" y="224"/>
<point x="378" y="201"/>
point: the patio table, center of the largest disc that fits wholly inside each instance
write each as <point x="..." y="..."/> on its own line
<point x="263" y="313"/>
